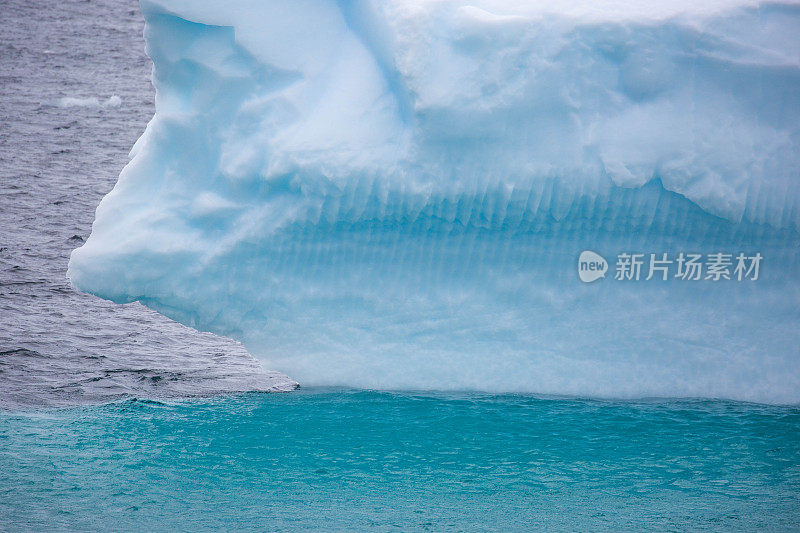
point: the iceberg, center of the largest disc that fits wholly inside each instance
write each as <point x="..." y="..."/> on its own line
<point x="396" y="194"/>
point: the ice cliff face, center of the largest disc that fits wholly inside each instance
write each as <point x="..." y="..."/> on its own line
<point x="396" y="193"/>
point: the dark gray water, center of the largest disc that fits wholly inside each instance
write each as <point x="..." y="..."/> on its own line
<point x="75" y="94"/>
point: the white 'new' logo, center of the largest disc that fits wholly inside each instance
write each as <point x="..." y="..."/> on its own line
<point x="591" y="266"/>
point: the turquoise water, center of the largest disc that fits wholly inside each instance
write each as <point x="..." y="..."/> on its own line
<point x="341" y="459"/>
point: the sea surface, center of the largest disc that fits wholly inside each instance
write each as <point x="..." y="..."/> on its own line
<point x="114" y="418"/>
<point x="335" y="460"/>
<point x="75" y="94"/>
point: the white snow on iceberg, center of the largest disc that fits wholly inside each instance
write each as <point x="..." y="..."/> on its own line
<point x="394" y="194"/>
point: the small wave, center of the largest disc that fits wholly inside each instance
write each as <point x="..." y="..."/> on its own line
<point x="113" y="101"/>
<point x="92" y="101"/>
